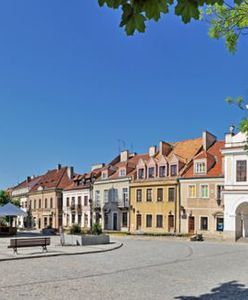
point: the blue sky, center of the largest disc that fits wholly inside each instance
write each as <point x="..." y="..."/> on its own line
<point x="72" y="84"/>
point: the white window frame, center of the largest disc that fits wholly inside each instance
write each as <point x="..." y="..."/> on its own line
<point x="197" y="162"/>
<point x="122" y="173"/>
<point x="189" y="185"/>
<point x="200" y="194"/>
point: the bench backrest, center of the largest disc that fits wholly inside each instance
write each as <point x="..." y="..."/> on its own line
<point x="42" y="241"/>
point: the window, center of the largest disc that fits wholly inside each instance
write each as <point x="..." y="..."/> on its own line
<point x="124" y="219"/>
<point x="86" y="220"/>
<point x="149" y="195"/>
<point x="46" y="203"/>
<point x="73" y="202"/>
<point x="125" y="194"/>
<point x="219" y="224"/>
<point x="79" y="220"/>
<point x="113" y="195"/>
<point x="204" y="223"/>
<point x="106" y="194"/>
<point x="159" y="221"/>
<point x="45" y="222"/>
<point x="162" y="170"/>
<point x="204" y="191"/>
<point x="39" y="203"/>
<point x="171" y="196"/>
<point x="85" y="200"/>
<point x="104" y="175"/>
<point x="34" y="203"/>
<point x="67" y="201"/>
<point x="51" y="202"/>
<point x="170" y="222"/>
<point x="219" y="190"/>
<point x="200" y="167"/>
<point x="138" y="195"/>
<point x="73" y="219"/>
<point x="97" y="197"/>
<point x="173" y="170"/>
<point x="192" y="191"/>
<point x="148" y="221"/>
<point x="141" y="173"/>
<point x="122" y="172"/>
<point x="151" y="172"/>
<point x="241" y="171"/>
<point x="79" y="200"/>
<point x="159" y="194"/>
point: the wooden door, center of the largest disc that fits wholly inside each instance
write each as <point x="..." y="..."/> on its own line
<point x="191" y="225"/>
<point x="138" y="222"/>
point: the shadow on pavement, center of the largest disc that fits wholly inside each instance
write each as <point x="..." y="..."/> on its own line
<point x="230" y="290"/>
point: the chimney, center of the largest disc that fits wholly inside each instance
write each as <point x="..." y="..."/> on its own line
<point x="28" y="179"/>
<point x="208" y="140"/>
<point x="59" y="167"/>
<point x="97" y="166"/>
<point x="124" y="156"/>
<point x="152" y="151"/>
<point x="164" y="148"/>
<point x="70" y="172"/>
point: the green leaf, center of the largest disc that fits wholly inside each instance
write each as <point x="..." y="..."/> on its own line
<point x="187" y="9"/>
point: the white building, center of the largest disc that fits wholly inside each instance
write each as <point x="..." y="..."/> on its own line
<point x="76" y="204"/>
<point x="236" y="186"/>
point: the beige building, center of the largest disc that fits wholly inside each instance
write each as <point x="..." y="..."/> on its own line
<point x="45" y="199"/>
<point x="201" y="186"/>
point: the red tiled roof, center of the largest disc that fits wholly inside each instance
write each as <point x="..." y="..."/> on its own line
<point x="214" y="158"/>
<point x="53" y="179"/>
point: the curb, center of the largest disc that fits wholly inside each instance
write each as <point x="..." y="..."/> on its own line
<point x="62" y="254"/>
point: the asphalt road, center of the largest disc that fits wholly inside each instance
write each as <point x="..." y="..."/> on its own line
<point x="144" y="268"/>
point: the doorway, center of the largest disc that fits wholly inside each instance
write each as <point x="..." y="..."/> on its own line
<point x="114" y="221"/>
<point x="191" y="225"/>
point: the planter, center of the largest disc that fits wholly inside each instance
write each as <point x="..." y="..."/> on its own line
<point x="101" y="239"/>
<point x="85" y="240"/>
<point x="72" y="240"/>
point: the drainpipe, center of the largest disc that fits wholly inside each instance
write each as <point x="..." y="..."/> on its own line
<point x="179" y="204"/>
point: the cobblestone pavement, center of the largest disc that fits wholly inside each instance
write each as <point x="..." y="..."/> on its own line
<point x="55" y="249"/>
<point x="144" y="268"/>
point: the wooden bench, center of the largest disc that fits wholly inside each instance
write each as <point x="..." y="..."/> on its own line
<point x="16" y="243"/>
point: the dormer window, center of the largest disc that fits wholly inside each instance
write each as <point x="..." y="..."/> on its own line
<point x="151" y="172"/>
<point x="162" y="171"/>
<point x="141" y="173"/>
<point x="104" y="175"/>
<point x="200" y="167"/>
<point x="173" y="170"/>
<point x="122" y="172"/>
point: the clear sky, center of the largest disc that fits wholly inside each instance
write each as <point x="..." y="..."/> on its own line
<point x="72" y="84"/>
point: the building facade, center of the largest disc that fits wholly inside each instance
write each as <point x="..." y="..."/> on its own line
<point x="154" y="203"/>
<point x="45" y="199"/>
<point x="201" y="199"/>
<point x="111" y="192"/>
<point x="236" y="186"/>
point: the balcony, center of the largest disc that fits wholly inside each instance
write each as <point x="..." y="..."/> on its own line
<point x="123" y="203"/>
<point x="97" y="204"/>
<point x="73" y="207"/>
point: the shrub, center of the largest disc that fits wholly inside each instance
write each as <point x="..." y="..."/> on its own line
<point x="75" y="229"/>
<point x="97" y="229"/>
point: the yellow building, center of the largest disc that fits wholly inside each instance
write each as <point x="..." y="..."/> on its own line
<point x="154" y="192"/>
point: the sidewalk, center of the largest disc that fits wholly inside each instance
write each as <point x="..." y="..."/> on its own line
<point x="55" y="249"/>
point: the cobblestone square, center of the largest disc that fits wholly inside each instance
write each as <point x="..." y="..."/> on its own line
<point x="144" y="268"/>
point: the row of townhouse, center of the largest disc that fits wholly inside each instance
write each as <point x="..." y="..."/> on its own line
<point x="191" y="186"/>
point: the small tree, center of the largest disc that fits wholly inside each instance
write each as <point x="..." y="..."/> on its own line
<point x="4" y="197"/>
<point x="97" y="229"/>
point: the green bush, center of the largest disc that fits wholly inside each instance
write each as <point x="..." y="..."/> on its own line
<point x="97" y="229"/>
<point x="75" y="229"/>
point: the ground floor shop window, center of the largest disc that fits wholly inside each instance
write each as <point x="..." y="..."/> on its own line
<point x="204" y="223"/>
<point x="219" y="224"/>
<point x="124" y="219"/>
<point x="73" y="219"/>
<point x="79" y="219"/>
